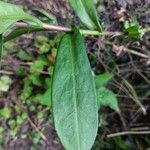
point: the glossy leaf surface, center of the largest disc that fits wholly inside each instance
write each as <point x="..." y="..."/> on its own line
<point x="73" y="95"/>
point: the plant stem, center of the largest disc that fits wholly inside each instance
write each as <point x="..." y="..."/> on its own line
<point x="90" y="32"/>
<point x="127" y="133"/>
<point x="82" y="31"/>
<point x="65" y="29"/>
<point x="56" y="28"/>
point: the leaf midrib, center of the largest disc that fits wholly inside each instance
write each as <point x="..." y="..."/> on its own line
<point x="74" y="90"/>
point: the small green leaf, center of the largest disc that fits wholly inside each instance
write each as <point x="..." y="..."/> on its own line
<point x="19" y="120"/>
<point x="47" y="82"/>
<point x="45" y="98"/>
<point x="37" y="66"/>
<point x="44" y="48"/>
<point x="24" y="55"/>
<point x="9" y="46"/>
<point x="5" y="112"/>
<point x="49" y="18"/>
<point x="120" y="143"/>
<point x="74" y="95"/>
<point x="102" y="79"/>
<point x="12" y="124"/>
<point x="86" y="12"/>
<point x="35" y="79"/>
<point x="20" y="71"/>
<point x="132" y="28"/>
<point x="5" y="83"/>
<point x="9" y="14"/>
<point x="106" y="97"/>
<point x="50" y="70"/>
<point x="54" y="52"/>
<point x="27" y="89"/>
<point x="41" y="39"/>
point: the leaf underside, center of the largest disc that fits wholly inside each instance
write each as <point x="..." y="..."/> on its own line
<point x="73" y="95"/>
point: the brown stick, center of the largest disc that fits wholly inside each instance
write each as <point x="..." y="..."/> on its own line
<point x="127" y="132"/>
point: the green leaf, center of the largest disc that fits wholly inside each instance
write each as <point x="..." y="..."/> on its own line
<point x="9" y="46"/>
<point x="37" y="66"/>
<point x="40" y="39"/>
<point x="20" y="71"/>
<point x="48" y="82"/>
<point x="74" y="95"/>
<point x="1" y="48"/>
<point x="120" y="143"/>
<point x="54" y="52"/>
<point x="132" y="28"/>
<point x="49" y="18"/>
<point x="5" y="113"/>
<point x="102" y="79"/>
<point x="5" y="83"/>
<point x="35" y="79"/>
<point x="24" y="55"/>
<point x="86" y="12"/>
<point x="27" y="89"/>
<point x="20" y="31"/>
<point x="44" y="48"/>
<point x="106" y="97"/>
<point x="45" y="98"/>
<point x="9" y="14"/>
